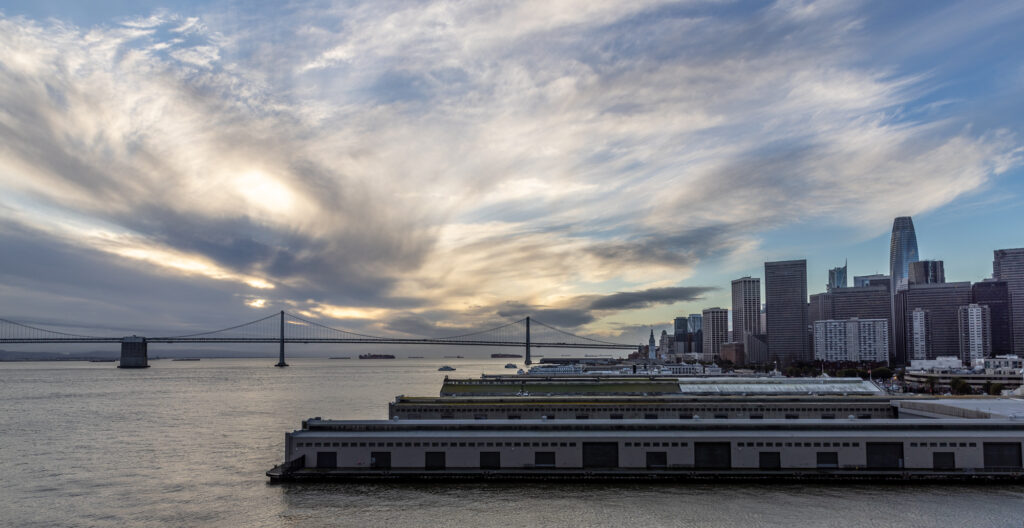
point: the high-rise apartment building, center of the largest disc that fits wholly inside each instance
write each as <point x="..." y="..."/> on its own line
<point x="716" y="331"/>
<point x="864" y="302"/>
<point x="926" y="272"/>
<point x="852" y="340"/>
<point x="996" y="295"/>
<point x="920" y="334"/>
<point x="1008" y="265"/>
<point x="975" y="325"/>
<point x="746" y="308"/>
<point x="785" y="287"/>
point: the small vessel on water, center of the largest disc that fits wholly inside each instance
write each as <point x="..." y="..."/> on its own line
<point x="415" y="357"/>
<point x="510" y="365"/>
<point x="453" y="357"/>
<point x="376" y="356"/>
<point x="185" y="359"/>
<point x="446" y="368"/>
<point x="504" y="355"/>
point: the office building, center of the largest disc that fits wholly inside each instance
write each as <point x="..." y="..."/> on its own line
<point x="870" y="280"/>
<point x="864" y="302"/>
<point x="926" y="272"/>
<point x="974" y="321"/>
<point x="1008" y="265"/>
<point x="836" y="278"/>
<point x="746" y="308"/>
<point x="785" y="286"/>
<point x="852" y="340"/>
<point x="902" y="251"/>
<point x="696" y="325"/>
<point x="733" y="352"/>
<point x="996" y="295"/>
<point x="716" y="331"/>
<point x="937" y="322"/>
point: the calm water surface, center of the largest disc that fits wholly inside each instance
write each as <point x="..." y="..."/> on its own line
<point x="187" y="444"/>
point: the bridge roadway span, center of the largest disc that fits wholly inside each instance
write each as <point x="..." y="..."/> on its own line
<point x="282" y="328"/>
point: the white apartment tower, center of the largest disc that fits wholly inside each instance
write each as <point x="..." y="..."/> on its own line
<point x="975" y="323"/>
<point x="851" y="340"/>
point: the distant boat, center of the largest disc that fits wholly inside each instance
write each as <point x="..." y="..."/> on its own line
<point x="340" y="357"/>
<point x="510" y="365"/>
<point x="446" y="368"/>
<point x="185" y="359"/>
<point x="376" y="356"/>
<point x="454" y="357"/>
<point x="415" y="357"/>
<point x="502" y="355"/>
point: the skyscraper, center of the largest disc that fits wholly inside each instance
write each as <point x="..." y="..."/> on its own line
<point x="926" y="272"/>
<point x="996" y="295"/>
<point x="1008" y="265"/>
<point x="902" y="251"/>
<point x="975" y="332"/>
<point x="785" y="290"/>
<point x="870" y="280"/>
<point x="836" y="278"/>
<point x="940" y="302"/>
<point x="716" y="332"/>
<point x="696" y="326"/>
<point x="746" y="308"/>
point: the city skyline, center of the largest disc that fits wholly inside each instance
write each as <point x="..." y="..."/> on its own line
<point x="422" y="170"/>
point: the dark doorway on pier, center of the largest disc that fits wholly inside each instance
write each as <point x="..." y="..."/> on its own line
<point x="433" y="460"/>
<point x="544" y="459"/>
<point x="885" y="455"/>
<point x="712" y="455"/>
<point x="600" y="455"/>
<point x="326" y="459"/>
<point x="1002" y="456"/>
<point x="944" y="460"/>
<point x="769" y="460"/>
<point x="657" y="460"/>
<point x="490" y="460"/>
<point x="380" y="460"/>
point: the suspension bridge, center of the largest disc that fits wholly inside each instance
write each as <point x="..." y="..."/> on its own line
<point x="283" y="327"/>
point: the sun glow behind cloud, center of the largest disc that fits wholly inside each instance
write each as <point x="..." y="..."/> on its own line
<point x="438" y="161"/>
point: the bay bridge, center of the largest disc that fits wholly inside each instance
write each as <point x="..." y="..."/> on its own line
<point x="283" y="327"/>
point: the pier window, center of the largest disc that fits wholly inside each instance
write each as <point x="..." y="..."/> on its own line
<point x="544" y="459"/>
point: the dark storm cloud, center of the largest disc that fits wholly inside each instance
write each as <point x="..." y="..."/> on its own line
<point x="561" y="317"/>
<point x="650" y="297"/>
<point x="680" y="249"/>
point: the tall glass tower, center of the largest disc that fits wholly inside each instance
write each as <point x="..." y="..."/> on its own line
<point x="902" y="251"/>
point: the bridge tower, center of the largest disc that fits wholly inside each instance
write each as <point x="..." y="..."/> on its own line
<point x="133" y="353"/>
<point x="528" y="360"/>
<point x="280" y="361"/>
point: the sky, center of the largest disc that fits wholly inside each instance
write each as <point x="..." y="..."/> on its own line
<point x="424" y="168"/>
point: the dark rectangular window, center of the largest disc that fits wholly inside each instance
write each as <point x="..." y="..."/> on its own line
<point x="380" y="460"/>
<point x="943" y="461"/>
<point x="490" y="460"/>
<point x="434" y="460"/>
<point x="544" y="459"/>
<point x="657" y="460"/>
<point x="769" y="460"/>
<point x="616" y="417"/>
<point x="828" y="460"/>
<point x="650" y="416"/>
<point x="326" y="459"/>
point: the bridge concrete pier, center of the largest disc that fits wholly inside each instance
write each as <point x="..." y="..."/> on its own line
<point x="280" y="361"/>
<point x="134" y="353"/>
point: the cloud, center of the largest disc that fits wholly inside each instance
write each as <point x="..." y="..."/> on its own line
<point x="433" y="166"/>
